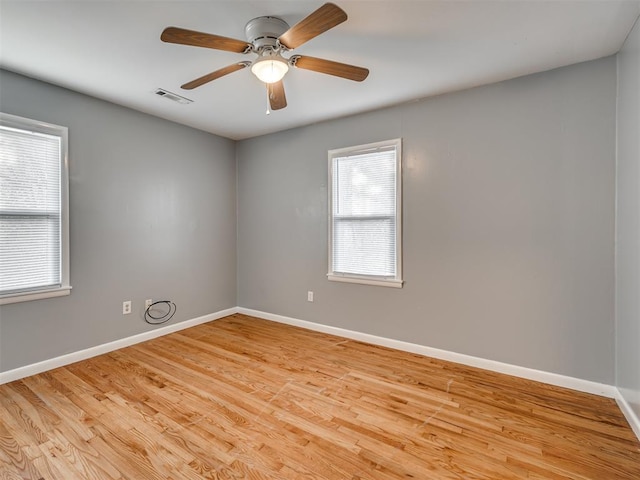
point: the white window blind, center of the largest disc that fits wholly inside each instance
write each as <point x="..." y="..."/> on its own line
<point x="364" y="214"/>
<point x="32" y="197"/>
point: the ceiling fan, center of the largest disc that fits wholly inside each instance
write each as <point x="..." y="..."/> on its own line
<point x="269" y="38"/>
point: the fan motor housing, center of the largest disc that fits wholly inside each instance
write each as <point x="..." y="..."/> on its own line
<point x="264" y="32"/>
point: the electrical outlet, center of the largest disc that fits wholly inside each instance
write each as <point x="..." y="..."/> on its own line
<point x="309" y="296"/>
<point x="147" y="304"/>
<point x="126" y="307"/>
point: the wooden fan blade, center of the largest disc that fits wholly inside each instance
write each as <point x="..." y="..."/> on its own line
<point x="350" y="72"/>
<point x="277" y="99"/>
<point x="323" y="19"/>
<point x="213" y="75"/>
<point x="207" y="40"/>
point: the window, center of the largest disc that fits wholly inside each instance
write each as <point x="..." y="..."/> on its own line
<point x="34" y="226"/>
<point x="365" y="214"/>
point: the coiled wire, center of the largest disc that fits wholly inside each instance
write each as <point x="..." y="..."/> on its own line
<point x="164" y="317"/>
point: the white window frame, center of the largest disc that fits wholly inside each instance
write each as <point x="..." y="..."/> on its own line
<point x="395" y="282"/>
<point x="26" y="124"/>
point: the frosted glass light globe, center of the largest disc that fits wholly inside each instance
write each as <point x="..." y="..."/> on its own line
<point x="270" y="69"/>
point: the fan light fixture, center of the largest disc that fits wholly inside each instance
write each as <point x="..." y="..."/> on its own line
<point x="270" y="68"/>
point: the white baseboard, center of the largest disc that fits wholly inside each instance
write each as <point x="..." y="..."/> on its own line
<point x="630" y="415"/>
<point x="28" y="370"/>
<point x="515" y="370"/>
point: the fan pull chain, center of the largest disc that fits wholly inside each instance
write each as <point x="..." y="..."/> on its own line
<point x="268" y="106"/>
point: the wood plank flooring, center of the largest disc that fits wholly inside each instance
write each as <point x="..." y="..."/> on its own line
<point x="244" y="398"/>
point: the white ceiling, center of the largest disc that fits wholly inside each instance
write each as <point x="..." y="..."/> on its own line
<point x="414" y="49"/>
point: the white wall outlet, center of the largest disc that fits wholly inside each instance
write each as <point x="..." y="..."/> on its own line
<point x="147" y="303"/>
<point x="126" y="307"/>
<point x="309" y="296"/>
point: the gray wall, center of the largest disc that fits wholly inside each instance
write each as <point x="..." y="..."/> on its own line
<point x="508" y="223"/>
<point x="152" y="213"/>
<point x="628" y="223"/>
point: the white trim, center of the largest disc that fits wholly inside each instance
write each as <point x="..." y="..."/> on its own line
<point x="36" y="295"/>
<point x="515" y="370"/>
<point x="28" y="370"/>
<point x="627" y="411"/>
<point x="28" y="124"/>
<point x="397" y="281"/>
<point x="365" y="281"/>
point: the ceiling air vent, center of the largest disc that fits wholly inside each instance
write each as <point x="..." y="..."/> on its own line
<point x="161" y="92"/>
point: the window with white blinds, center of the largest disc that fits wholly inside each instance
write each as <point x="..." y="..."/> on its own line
<point x="365" y="214"/>
<point x="33" y="210"/>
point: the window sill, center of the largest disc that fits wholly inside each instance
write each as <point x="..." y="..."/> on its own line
<point x="366" y="281"/>
<point x="36" y="295"/>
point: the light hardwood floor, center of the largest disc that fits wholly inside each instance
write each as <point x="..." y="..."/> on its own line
<point x="246" y="398"/>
